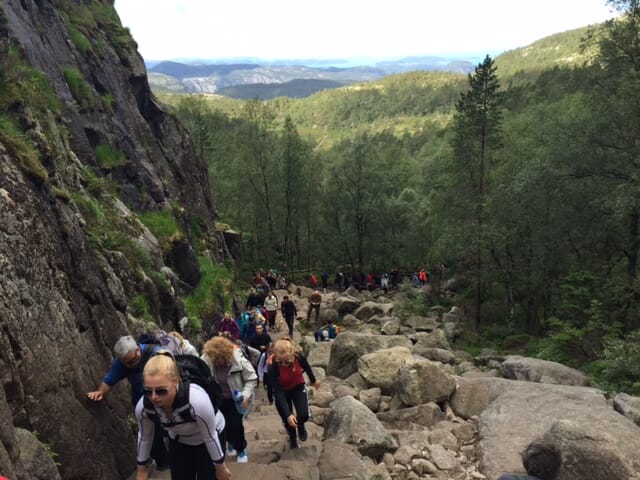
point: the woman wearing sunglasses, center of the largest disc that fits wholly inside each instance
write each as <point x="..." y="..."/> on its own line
<point x="195" y="452"/>
<point x="285" y="377"/>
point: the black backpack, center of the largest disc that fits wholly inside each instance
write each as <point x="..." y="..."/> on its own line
<point x="192" y="370"/>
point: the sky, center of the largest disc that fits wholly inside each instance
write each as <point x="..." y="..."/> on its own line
<point x="300" y="29"/>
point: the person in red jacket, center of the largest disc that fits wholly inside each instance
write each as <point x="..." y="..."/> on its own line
<point x="286" y="380"/>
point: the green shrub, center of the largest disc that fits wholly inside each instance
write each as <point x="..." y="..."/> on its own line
<point x="107" y="102"/>
<point x="163" y="225"/>
<point x="619" y="367"/>
<point x="80" y="88"/>
<point x="140" y="307"/>
<point x="108" y="158"/>
<point x="78" y="38"/>
<point x="21" y="148"/>
<point x="211" y="294"/>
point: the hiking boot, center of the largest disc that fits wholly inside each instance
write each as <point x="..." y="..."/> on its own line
<point x="242" y="456"/>
<point x="230" y="451"/>
<point x="302" y="433"/>
<point x="293" y="442"/>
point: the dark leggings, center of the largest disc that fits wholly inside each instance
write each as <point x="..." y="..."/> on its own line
<point x="296" y="398"/>
<point x="190" y="462"/>
<point x="233" y="429"/>
<point x="289" y="321"/>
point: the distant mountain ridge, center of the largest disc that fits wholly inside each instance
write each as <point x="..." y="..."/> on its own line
<point x="285" y="78"/>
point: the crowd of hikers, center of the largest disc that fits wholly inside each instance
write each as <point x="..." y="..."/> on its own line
<point x="190" y="405"/>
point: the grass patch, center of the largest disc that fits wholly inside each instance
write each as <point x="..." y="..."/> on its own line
<point x="78" y="38"/>
<point x="109" y="158"/>
<point x="163" y="225"/>
<point x="139" y="307"/>
<point x="80" y="88"/>
<point x="19" y="146"/>
<point x="210" y="295"/>
<point x="107" y="102"/>
<point x="61" y="194"/>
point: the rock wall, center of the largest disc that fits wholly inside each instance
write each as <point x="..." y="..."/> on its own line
<point x="65" y="290"/>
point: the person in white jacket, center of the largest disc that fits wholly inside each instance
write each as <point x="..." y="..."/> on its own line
<point x="185" y="412"/>
<point x="271" y="310"/>
<point x="233" y="372"/>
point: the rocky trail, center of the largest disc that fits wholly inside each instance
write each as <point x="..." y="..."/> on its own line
<point x="396" y="401"/>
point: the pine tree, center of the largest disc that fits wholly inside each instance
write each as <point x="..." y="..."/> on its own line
<point x="477" y="133"/>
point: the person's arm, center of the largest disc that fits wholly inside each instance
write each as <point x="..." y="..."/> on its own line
<point x="249" y="380"/>
<point x="146" y="428"/>
<point x="116" y="373"/>
<point x="99" y="394"/>
<point x="308" y="370"/>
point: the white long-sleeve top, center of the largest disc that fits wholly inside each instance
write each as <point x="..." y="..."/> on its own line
<point x="204" y="430"/>
<point x="271" y="303"/>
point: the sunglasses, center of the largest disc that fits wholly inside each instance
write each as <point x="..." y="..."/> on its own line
<point x="283" y="362"/>
<point x="160" y="392"/>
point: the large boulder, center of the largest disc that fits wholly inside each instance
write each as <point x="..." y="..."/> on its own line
<point x="628" y="406"/>
<point x="349" y="421"/>
<point x="368" y="309"/>
<point x="339" y="461"/>
<point x="436" y="355"/>
<point x="319" y="354"/>
<point x="588" y="452"/>
<point x="422" y="324"/>
<point x="528" y="369"/>
<point x="434" y="339"/>
<point x="346" y="304"/>
<point x="36" y="458"/>
<point x="469" y="399"/>
<point x="523" y="411"/>
<point x="380" y="368"/>
<point x="423" y="381"/>
<point x="348" y="347"/>
<point x="426" y="415"/>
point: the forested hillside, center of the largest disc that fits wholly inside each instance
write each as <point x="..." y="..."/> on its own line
<point x="532" y="203"/>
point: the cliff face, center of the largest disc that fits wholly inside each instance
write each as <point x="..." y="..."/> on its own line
<point x="85" y="149"/>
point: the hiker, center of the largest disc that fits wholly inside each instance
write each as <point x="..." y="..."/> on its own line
<point x="285" y="378"/>
<point x="338" y="281"/>
<point x="186" y="348"/>
<point x="233" y="372"/>
<point x="289" y="312"/>
<point x="249" y="331"/>
<point x="384" y="283"/>
<point x="130" y="360"/>
<point x="327" y="332"/>
<point x="271" y="310"/>
<point x="195" y="451"/>
<point x="325" y="281"/>
<point x="541" y="462"/>
<point x="228" y="324"/>
<point x="314" y="304"/>
<point x="260" y="341"/>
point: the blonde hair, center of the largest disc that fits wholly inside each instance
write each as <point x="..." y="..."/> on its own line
<point x="178" y="336"/>
<point x="161" y="364"/>
<point x="286" y="348"/>
<point x="219" y="350"/>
